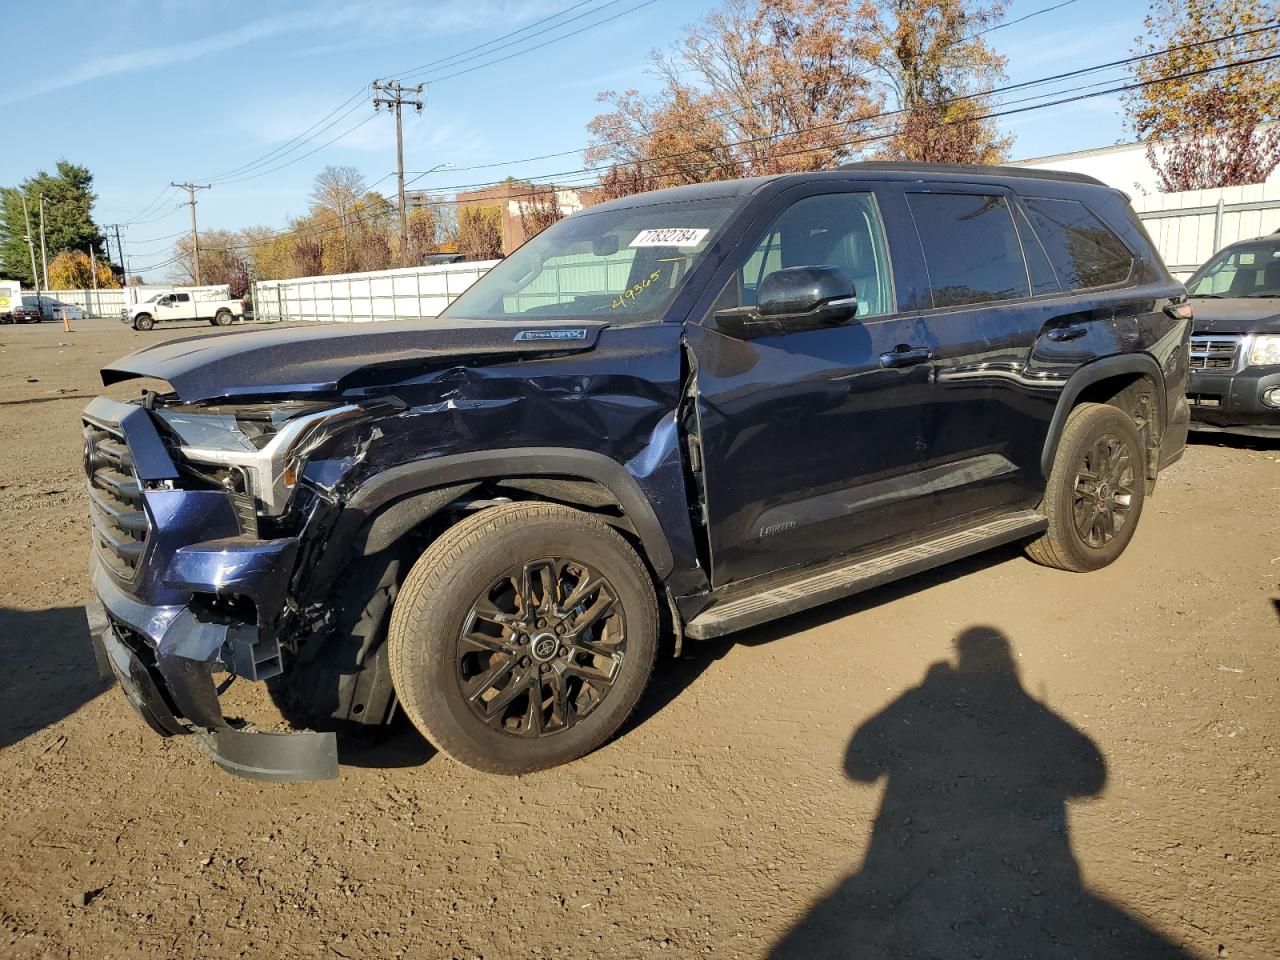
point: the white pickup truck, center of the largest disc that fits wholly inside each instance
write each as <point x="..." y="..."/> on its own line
<point x="177" y="305"/>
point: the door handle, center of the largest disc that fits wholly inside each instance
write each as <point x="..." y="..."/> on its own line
<point x="1063" y="334"/>
<point x="905" y="356"/>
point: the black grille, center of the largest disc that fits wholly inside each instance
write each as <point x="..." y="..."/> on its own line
<point x="115" y="499"/>
<point x="1214" y="353"/>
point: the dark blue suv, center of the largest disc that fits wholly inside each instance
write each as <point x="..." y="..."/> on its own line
<point x="666" y="418"/>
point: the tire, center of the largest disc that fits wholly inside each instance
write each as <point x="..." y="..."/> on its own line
<point x="223" y="318"/>
<point x="1089" y="528"/>
<point x="143" y="321"/>
<point x="444" y="681"/>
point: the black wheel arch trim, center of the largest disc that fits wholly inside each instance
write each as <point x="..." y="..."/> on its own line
<point x="421" y="475"/>
<point x="1095" y="372"/>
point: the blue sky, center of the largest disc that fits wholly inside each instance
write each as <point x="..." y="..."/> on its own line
<point x="144" y="93"/>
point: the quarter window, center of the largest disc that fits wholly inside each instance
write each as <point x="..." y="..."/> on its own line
<point x="1083" y="250"/>
<point x="971" y="248"/>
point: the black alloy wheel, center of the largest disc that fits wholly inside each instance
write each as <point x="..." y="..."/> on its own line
<point x="1103" y="491"/>
<point x="541" y="647"/>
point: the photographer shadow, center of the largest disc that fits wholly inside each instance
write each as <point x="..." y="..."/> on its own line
<point x="970" y="854"/>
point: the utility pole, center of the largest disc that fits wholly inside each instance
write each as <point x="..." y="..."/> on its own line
<point x="191" y="189"/>
<point x="397" y="96"/>
<point x="93" y="277"/>
<point x="44" y="253"/>
<point x="31" y="248"/>
<point x="342" y="215"/>
<point x="119" y="249"/>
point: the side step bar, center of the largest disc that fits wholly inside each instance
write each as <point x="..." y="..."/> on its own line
<point x="810" y="588"/>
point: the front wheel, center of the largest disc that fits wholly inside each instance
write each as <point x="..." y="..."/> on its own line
<point x="523" y="637"/>
<point x="1095" y="492"/>
<point x="143" y="322"/>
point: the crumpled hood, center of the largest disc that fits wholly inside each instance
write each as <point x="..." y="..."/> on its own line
<point x="291" y="359"/>
<point x="1237" y="315"/>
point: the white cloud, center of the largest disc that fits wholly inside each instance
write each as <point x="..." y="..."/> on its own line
<point x="170" y="54"/>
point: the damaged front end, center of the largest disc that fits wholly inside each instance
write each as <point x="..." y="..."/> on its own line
<point x="196" y="538"/>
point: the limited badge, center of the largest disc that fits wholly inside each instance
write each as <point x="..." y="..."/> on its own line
<point x="560" y="334"/>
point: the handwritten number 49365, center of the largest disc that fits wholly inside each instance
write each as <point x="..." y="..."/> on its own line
<point x="628" y="296"/>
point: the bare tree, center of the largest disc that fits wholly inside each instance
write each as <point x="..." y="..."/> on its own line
<point x="221" y="258"/>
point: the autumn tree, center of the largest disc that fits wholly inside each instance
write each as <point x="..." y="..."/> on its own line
<point x="932" y="60"/>
<point x="756" y="87"/>
<point x="539" y="210"/>
<point x="479" y="233"/>
<point x="71" y="270"/>
<point x="1208" y="130"/>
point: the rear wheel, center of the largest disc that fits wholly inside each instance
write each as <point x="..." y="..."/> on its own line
<point x="223" y="318"/>
<point x="143" y="321"/>
<point x="1095" y="492"/>
<point x="523" y="637"/>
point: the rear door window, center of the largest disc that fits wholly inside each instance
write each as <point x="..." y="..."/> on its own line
<point x="1083" y="250"/>
<point x="971" y="248"/>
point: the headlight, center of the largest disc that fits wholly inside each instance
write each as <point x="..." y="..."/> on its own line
<point x="267" y="444"/>
<point x="1265" y="350"/>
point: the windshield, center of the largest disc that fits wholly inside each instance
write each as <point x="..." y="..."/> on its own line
<point x="621" y="265"/>
<point x="1248" y="271"/>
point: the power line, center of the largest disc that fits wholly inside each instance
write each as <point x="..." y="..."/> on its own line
<point x="538" y="188"/>
<point x="163" y="216"/>
<point x="148" y="208"/>
<point x="231" y="176"/>
<point x="139" y="243"/>
<point x="285" y="147"/>
<point x="1009" y="88"/>
<point x="593" y="172"/>
<point x="320" y="126"/>
<point x="453" y="61"/>
<point x="262" y="173"/>
<point x="545" y="43"/>
<point x="401" y="75"/>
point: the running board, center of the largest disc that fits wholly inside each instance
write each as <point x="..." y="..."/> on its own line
<point x="814" y="587"/>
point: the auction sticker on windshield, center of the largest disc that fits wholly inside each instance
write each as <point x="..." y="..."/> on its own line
<point x="670" y="237"/>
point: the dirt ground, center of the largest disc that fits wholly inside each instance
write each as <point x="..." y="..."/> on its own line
<point x="994" y="760"/>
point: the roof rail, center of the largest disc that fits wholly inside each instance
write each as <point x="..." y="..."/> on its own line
<point x="971" y="170"/>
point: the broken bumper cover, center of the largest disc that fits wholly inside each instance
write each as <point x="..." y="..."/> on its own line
<point x="175" y="694"/>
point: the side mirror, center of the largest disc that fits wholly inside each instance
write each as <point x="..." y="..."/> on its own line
<point x="791" y="300"/>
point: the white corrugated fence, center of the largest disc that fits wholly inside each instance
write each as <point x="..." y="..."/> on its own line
<point x="1190" y="227"/>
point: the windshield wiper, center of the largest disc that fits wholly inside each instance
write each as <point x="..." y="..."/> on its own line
<point x="1252" y="296"/>
<point x="1208" y="296"/>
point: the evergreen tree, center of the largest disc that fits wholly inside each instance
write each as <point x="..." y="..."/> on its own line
<point x="68" y="221"/>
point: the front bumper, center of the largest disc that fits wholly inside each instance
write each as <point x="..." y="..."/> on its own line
<point x="156" y="695"/>
<point x="1232" y="403"/>
<point x="160" y="628"/>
